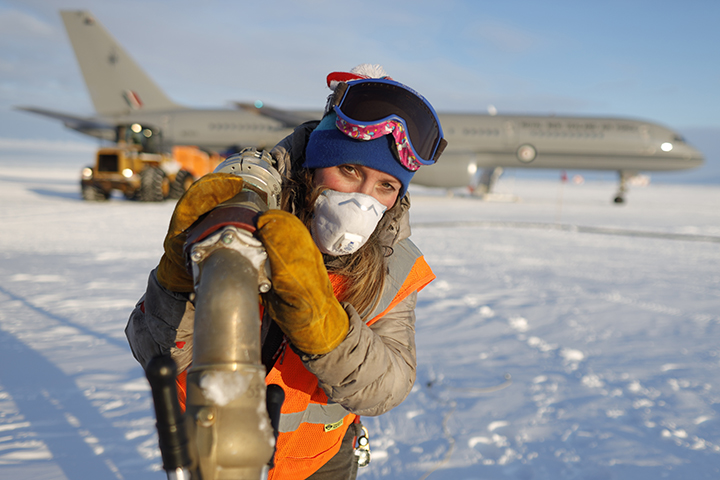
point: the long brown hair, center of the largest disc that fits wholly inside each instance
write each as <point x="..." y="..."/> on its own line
<point x="364" y="270"/>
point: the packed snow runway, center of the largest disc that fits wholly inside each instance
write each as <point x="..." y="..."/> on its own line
<point x="565" y="336"/>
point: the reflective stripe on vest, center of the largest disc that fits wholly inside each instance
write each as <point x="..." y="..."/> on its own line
<point x="329" y="414"/>
<point x="403" y="280"/>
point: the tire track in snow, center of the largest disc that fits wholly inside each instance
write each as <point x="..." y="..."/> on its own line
<point x="78" y="407"/>
<point x="65" y="321"/>
<point x="58" y="412"/>
<point x="624" y="232"/>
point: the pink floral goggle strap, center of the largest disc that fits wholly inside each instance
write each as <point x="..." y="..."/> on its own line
<point x="389" y="127"/>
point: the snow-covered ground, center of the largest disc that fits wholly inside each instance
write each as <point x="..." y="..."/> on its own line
<point x="564" y="338"/>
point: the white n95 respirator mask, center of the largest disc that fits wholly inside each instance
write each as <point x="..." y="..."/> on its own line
<point x="344" y="221"/>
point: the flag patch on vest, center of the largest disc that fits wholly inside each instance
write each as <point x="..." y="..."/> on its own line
<point x="329" y="427"/>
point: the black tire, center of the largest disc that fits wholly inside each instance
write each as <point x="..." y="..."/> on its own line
<point x="92" y="193"/>
<point x="182" y="182"/>
<point x="154" y="185"/>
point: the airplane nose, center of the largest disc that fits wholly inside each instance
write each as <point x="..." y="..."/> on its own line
<point x="694" y="156"/>
<point x="684" y="153"/>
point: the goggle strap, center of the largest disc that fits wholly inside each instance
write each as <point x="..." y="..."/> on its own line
<point x="440" y="149"/>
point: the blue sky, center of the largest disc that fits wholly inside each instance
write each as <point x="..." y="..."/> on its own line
<point x="655" y="60"/>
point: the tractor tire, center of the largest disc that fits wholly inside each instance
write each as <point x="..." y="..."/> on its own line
<point x="182" y="182"/>
<point x="91" y="193"/>
<point x="154" y="185"/>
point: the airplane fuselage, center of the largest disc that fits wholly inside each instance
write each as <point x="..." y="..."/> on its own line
<point x="475" y="141"/>
<point x="214" y="130"/>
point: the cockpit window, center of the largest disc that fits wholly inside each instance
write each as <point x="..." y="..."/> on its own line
<point x="679" y="138"/>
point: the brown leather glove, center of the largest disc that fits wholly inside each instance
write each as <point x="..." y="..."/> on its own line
<point x="202" y="196"/>
<point x="301" y="300"/>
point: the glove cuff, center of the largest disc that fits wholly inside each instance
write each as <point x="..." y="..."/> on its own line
<point x="173" y="277"/>
<point x="325" y="335"/>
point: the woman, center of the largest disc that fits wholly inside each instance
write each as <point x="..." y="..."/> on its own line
<point x="345" y="275"/>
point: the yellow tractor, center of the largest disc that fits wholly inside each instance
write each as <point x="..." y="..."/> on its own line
<point x="147" y="177"/>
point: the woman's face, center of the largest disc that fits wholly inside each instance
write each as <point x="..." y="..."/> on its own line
<point x="359" y="179"/>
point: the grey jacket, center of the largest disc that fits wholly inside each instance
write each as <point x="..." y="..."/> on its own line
<point x="369" y="373"/>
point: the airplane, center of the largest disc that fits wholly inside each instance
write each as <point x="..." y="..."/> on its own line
<point x="130" y="106"/>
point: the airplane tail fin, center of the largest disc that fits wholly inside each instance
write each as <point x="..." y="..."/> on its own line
<point x="116" y="83"/>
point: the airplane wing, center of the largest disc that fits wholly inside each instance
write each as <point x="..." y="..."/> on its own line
<point x="287" y="118"/>
<point x="89" y="126"/>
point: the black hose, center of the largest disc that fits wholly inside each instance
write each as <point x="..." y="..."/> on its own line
<point x="161" y="372"/>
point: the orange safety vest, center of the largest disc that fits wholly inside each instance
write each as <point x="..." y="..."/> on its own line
<point x="311" y="427"/>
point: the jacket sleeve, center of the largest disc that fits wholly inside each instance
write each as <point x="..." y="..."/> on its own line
<point x="373" y="369"/>
<point x="161" y="323"/>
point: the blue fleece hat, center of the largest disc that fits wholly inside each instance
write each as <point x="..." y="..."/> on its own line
<point x="329" y="147"/>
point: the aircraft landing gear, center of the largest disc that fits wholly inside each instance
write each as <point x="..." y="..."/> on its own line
<point x="622" y="188"/>
<point x="484" y="181"/>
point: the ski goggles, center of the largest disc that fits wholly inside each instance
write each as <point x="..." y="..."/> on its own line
<point x="371" y="108"/>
